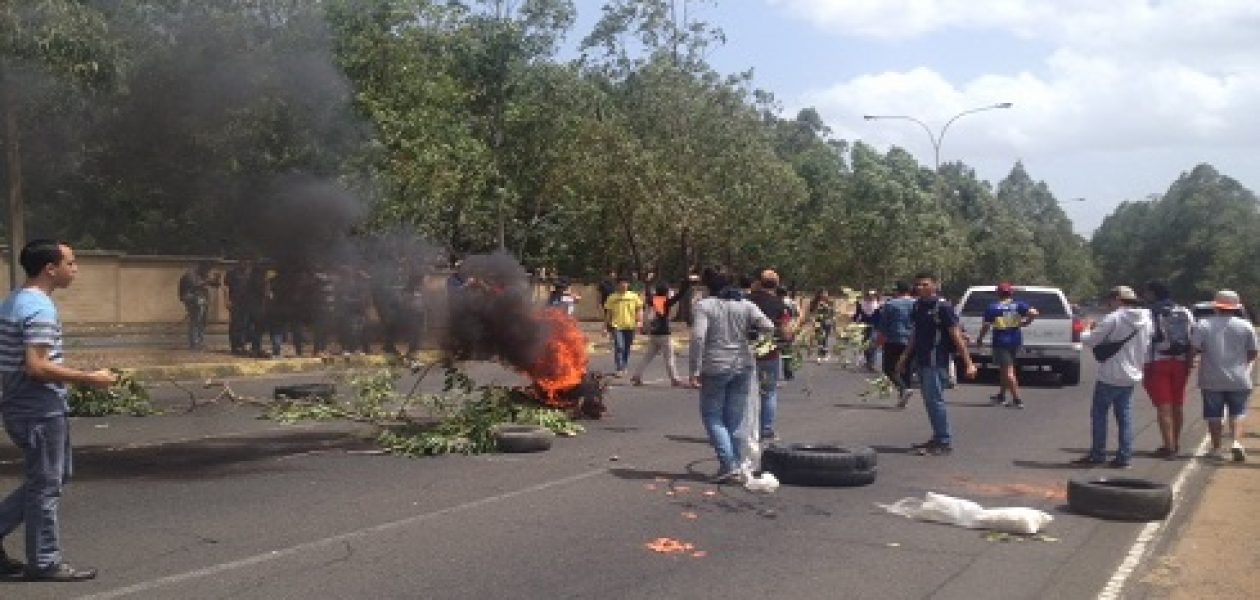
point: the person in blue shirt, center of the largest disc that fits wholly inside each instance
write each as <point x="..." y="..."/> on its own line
<point x="1006" y="317"/>
<point x="934" y="340"/>
<point x="893" y="334"/>
<point x="33" y="407"/>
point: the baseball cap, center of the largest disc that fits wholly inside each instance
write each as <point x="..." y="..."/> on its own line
<point x="1005" y="287"/>
<point x="1123" y="292"/>
<point x="1227" y="300"/>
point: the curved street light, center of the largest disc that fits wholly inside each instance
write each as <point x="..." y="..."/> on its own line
<point x="938" y="138"/>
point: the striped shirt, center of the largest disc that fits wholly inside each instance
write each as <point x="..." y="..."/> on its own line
<point x="28" y="317"/>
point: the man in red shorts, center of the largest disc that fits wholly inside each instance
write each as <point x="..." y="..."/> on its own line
<point x="1168" y="364"/>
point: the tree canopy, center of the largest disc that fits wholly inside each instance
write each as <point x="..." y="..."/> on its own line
<point x="230" y="126"/>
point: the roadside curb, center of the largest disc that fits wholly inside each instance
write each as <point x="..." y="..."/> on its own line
<point x="256" y="368"/>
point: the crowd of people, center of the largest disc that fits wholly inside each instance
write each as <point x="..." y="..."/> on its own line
<point x="740" y="331"/>
<point x="294" y="304"/>
<point x="744" y="330"/>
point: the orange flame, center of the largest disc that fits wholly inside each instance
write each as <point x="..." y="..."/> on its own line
<point x="563" y="363"/>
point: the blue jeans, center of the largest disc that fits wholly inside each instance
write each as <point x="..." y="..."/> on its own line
<point x="196" y="310"/>
<point x="722" y="401"/>
<point x="768" y="386"/>
<point x="45" y="445"/>
<point x="622" y="340"/>
<point x="932" y="381"/>
<point x="1117" y="398"/>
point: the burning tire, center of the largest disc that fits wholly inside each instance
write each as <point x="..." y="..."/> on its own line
<point x="820" y="464"/>
<point x="522" y="438"/>
<point x="1120" y="498"/>
<point x="322" y="392"/>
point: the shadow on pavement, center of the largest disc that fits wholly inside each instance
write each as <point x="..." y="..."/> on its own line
<point x="1051" y="465"/>
<point x="687" y="439"/>
<point x="868" y="406"/>
<point x="208" y="458"/>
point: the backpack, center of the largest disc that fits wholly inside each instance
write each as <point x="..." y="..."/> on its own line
<point x="1172" y="330"/>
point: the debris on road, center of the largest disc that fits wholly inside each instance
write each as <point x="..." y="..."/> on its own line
<point x="664" y="545"/>
<point x="766" y="483"/>
<point x="965" y="513"/>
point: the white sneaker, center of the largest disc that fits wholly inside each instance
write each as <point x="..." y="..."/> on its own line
<point x="1240" y="453"/>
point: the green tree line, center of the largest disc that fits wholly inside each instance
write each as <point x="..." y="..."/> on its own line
<point x="170" y="126"/>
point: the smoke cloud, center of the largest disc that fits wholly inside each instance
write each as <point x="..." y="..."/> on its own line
<point x="494" y="314"/>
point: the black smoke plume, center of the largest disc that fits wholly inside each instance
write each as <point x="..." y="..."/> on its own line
<point x="493" y="313"/>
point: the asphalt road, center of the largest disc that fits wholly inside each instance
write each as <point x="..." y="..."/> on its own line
<point x="215" y="503"/>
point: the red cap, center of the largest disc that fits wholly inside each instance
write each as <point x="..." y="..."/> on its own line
<point x="1005" y="288"/>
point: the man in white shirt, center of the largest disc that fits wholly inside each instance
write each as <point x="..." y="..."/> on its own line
<point x="1129" y="326"/>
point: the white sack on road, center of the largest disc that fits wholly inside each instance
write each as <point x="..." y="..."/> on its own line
<point x="940" y="508"/>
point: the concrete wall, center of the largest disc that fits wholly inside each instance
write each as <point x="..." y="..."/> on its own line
<point x="118" y="288"/>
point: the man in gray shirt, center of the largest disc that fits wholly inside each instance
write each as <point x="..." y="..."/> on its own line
<point x="722" y="367"/>
<point x="1228" y="345"/>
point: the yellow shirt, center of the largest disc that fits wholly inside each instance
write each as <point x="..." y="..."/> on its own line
<point x="623" y="309"/>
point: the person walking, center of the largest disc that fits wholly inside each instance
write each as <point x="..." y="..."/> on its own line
<point x="766" y="298"/>
<point x="1227" y="343"/>
<point x="624" y="315"/>
<point x="1006" y="317"/>
<point x="33" y="408"/>
<point x="893" y="329"/>
<point x="934" y="341"/>
<point x="787" y="347"/>
<point x="562" y="297"/>
<point x="822" y="311"/>
<point x="721" y="365"/>
<point x="1167" y="364"/>
<point x="660" y="340"/>
<point x="1119" y="342"/>
<point x="866" y="314"/>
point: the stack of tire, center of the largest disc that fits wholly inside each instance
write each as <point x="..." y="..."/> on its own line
<point x="1120" y="498"/>
<point x="830" y="465"/>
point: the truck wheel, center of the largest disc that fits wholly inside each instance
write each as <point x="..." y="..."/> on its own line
<point x="1070" y="374"/>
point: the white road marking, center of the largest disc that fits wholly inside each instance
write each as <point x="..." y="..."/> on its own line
<point x="1150" y="533"/>
<point x="329" y="541"/>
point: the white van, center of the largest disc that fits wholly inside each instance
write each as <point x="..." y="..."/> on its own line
<point x="1052" y="341"/>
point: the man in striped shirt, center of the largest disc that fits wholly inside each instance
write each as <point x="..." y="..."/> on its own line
<point x="33" y="408"/>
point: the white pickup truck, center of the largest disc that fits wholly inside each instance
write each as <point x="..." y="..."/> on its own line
<point x="1052" y="341"/>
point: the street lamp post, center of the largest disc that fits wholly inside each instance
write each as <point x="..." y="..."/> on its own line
<point x="938" y="138"/>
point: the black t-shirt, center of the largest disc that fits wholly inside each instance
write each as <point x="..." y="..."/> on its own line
<point x="774" y="308"/>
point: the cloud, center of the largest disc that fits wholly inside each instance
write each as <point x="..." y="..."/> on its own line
<point x="1120" y="75"/>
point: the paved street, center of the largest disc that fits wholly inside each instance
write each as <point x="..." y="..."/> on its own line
<point x="216" y="503"/>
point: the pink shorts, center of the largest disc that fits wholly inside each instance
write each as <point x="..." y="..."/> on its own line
<point x="1165" y="382"/>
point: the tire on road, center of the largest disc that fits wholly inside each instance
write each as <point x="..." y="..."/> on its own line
<point x="1120" y="498"/>
<point x="820" y="464"/>
<point x="522" y="438"/>
<point x="823" y="477"/>
<point x="323" y="392"/>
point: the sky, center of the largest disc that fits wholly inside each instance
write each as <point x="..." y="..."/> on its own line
<point x="1112" y="100"/>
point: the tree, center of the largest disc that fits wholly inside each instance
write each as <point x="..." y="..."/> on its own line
<point x="47" y="47"/>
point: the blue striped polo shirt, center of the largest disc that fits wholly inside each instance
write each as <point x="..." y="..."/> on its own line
<point x="28" y="317"/>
